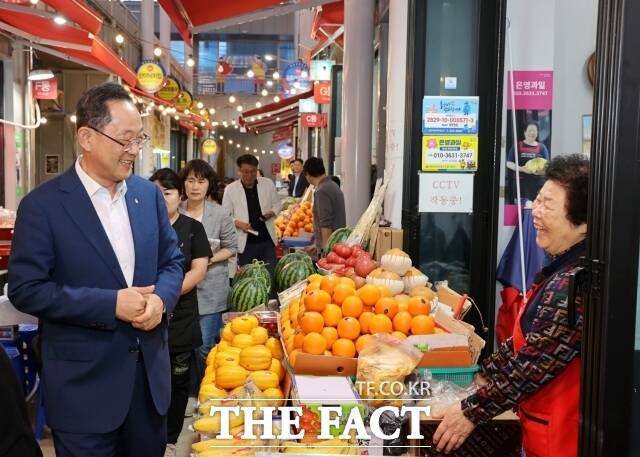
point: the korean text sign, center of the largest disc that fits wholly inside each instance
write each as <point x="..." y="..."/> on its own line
<point x="449" y="153"/>
<point x="446" y="193"/>
<point x="450" y="115"/>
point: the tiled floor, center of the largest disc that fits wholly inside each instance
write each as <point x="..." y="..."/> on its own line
<point x="187" y="437"/>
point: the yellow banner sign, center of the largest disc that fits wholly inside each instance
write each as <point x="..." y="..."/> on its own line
<point x="209" y="147"/>
<point x="150" y="77"/>
<point x="170" y="90"/>
<point x="184" y="101"/>
<point x="449" y="152"/>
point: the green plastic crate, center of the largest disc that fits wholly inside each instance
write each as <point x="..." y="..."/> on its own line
<point x="460" y="376"/>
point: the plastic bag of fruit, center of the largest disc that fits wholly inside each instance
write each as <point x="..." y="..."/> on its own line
<point x="383" y="365"/>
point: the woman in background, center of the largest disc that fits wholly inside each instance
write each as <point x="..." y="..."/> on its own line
<point x="200" y="183"/>
<point x="184" y="330"/>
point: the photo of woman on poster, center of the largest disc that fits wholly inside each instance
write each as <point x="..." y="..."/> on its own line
<point x="532" y="154"/>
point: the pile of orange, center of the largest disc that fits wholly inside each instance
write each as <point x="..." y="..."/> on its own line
<point x="334" y="318"/>
<point x="298" y="218"/>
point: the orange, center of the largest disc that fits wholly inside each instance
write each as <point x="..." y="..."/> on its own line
<point x="328" y="353"/>
<point x="402" y="322"/>
<point x="364" y="319"/>
<point x="418" y="306"/>
<point x="328" y="283"/>
<point x="341" y="292"/>
<point x="344" y="348"/>
<point x="387" y="306"/>
<point x="347" y="281"/>
<point x="369" y="294"/>
<point x="384" y="291"/>
<point x="422" y="325"/>
<point x="298" y="338"/>
<point x="403" y="302"/>
<point x="399" y="335"/>
<point x="311" y="322"/>
<point x="317" y="300"/>
<point x="308" y="228"/>
<point x="349" y="327"/>
<point x="362" y="341"/>
<point x="313" y="286"/>
<point x="352" y="306"/>
<point x="332" y="315"/>
<point x="314" y="343"/>
<point x="380" y="323"/>
<point x="330" y="334"/>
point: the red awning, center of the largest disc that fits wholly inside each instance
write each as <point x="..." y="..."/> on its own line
<point x="328" y="26"/>
<point x="66" y="41"/>
<point x="38" y="27"/>
<point x="78" y="12"/>
<point x="199" y="15"/>
<point x="101" y="57"/>
<point x="275" y="107"/>
<point x="179" y="19"/>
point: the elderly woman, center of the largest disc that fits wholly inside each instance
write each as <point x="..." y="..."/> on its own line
<point x="200" y="183"/>
<point x="537" y="370"/>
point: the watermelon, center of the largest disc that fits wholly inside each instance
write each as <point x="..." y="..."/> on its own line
<point x="298" y="255"/>
<point x="293" y="272"/>
<point x="247" y="294"/>
<point x="339" y="236"/>
<point x="255" y="269"/>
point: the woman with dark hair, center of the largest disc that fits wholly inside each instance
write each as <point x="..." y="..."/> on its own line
<point x="200" y="182"/>
<point x="537" y="370"/>
<point x="529" y="148"/>
<point x="184" y="330"/>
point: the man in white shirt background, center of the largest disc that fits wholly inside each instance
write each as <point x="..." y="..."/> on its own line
<point x="95" y="258"/>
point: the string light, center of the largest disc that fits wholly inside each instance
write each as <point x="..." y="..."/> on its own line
<point x="276" y="99"/>
<point x="246" y="148"/>
<point x="250" y="74"/>
<point x="264" y="92"/>
<point x="190" y="62"/>
<point x="269" y="83"/>
<point x="239" y="108"/>
<point x="212" y="111"/>
<point x="43" y="120"/>
<point x="59" y="20"/>
<point x="186" y="111"/>
<point x="176" y="117"/>
<point x="232" y="99"/>
<point x="119" y="38"/>
<point x="276" y="75"/>
<point x="73" y="118"/>
<point x="157" y="51"/>
<point x="258" y="105"/>
<point x="230" y="141"/>
<point x="200" y="105"/>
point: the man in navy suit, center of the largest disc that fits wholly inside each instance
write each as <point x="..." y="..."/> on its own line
<point x="297" y="180"/>
<point x="95" y="258"/>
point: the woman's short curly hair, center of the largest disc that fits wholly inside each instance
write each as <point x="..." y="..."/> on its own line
<point x="572" y="173"/>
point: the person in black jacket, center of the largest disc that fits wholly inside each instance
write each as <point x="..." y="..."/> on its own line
<point x="297" y="180"/>
<point x="184" y="326"/>
<point x="16" y="435"/>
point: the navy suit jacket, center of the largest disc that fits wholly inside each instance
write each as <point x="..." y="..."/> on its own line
<point x="64" y="271"/>
<point x="302" y="185"/>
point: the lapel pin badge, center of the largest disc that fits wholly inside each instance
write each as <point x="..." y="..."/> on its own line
<point x="135" y="200"/>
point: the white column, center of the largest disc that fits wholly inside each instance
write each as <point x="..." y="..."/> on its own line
<point x="357" y="101"/>
<point x="187" y="52"/>
<point x="189" y="145"/>
<point x="148" y="40"/>
<point x="396" y="89"/>
<point x="165" y="43"/>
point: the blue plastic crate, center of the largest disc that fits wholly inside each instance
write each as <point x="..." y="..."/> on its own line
<point x="460" y="376"/>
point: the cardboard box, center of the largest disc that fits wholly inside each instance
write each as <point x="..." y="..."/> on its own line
<point x="383" y="239"/>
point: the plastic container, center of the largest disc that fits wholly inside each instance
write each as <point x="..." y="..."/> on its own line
<point x="460" y="376"/>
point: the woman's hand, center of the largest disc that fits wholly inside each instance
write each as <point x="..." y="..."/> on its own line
<point x="453" y="430"/>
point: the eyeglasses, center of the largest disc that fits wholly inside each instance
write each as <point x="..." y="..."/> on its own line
<point x="135" y="143"/>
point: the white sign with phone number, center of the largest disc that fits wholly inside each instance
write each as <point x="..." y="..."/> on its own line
<point x="446" y="193"/>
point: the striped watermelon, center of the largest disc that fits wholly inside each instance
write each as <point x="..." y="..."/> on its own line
<point x="247" y="294"/>
<point x="298" y="255"/>
<point x="339" y="236"/>
<point x="293" y="272"/>
<point x="255" y="269"/>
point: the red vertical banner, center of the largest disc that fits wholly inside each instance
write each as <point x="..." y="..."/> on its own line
<point x="313" y="120"/>
<point x="46" y="89"/>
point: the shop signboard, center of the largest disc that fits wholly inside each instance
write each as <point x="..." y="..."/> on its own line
<point x="322" y="92"/>
<point x="209" y="147"/>
<point x="314" y="120"/>
<point x="285" y="151"/>
<point x="185" y="100"/>
<point x="449" y="153"/>
<point x="446" y="193"/>
<point x="321" y="70"/>
<point x="281" y="134"/>
<point x="150" y="76"/>
<point x="296" y="76"/>
<point x="170" y="91"/>
<point x="307" y="105"/>
<point x="450" y="115"/>
<point x="46" y="89"/>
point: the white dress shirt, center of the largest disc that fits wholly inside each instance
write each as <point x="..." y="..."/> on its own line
<point x="295" y="184"/>
<point x="114" y="217"/>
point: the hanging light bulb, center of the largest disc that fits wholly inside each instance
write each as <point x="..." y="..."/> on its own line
<point x="239" y="108"/>
<point x="232" y="99"/>
<point x="176" y="117"/>
<point x="119" y="38"/>
<point x="230" y="141"/>
<point x="264" y="92"/>
<point x="73" y="118"/>
<point x="43" y="120"/>
<point x="238" y="145"/>
<point x="200" y="105"/>
<point x="203" y="112"/>
<point x="258" y="105"/>
<point x="246" y="148"/>
<point x="276" y="99"/>
<point x="304" y="74"/>
<point x="186" y="111"/>
<point x="59" y="20"/>
<point x="270" y="152"/>
<point x="269" y="83"/>
<point x="33" y="2"/>
<point x="250" y="74"/>
<point x="276" y="75"/>
<point x="212" y="111"/>
<point x="157" y="51"/>
<point x="221" y="137"/>
<point x="190" y="62"/>
<point x="255" y="150"/>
